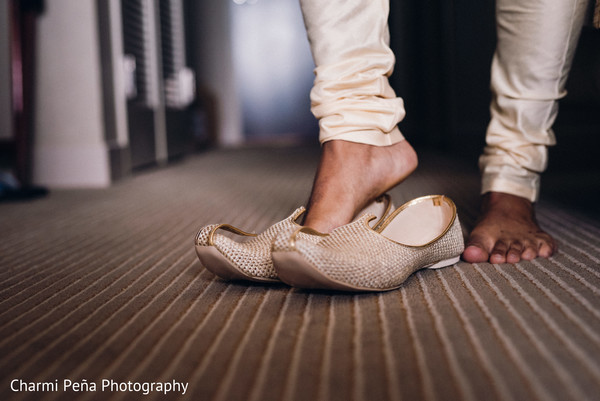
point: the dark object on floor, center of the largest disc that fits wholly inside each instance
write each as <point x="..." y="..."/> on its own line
<point x="12" y="190"/>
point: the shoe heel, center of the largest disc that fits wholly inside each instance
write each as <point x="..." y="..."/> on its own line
<point x="444" y="263"/>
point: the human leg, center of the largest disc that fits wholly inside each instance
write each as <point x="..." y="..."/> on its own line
<point x="363" y="153"/>
<point x="536" y="44"/>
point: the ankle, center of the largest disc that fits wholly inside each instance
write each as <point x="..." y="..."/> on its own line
<point x="499" y="203"/>
<point x="351" y="175"/>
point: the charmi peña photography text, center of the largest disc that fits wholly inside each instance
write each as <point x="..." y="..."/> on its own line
<point x="104" y="385"/>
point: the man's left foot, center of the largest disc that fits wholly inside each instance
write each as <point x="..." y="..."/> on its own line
<point x="507" y="232"/>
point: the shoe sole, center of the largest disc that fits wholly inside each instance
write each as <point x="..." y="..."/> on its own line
<point x="294" y="270"/>
<point x="217" y="263"/>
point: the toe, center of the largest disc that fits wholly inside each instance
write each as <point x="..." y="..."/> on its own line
<point x="529" y="253"/>
<point x="546" y="250"/>
<point x="499" y="252"/>
<point x="475" y="254"/>
<point x="514" y="253"/>
<point x="546" y="246"/>
<point x="477" y="251"/>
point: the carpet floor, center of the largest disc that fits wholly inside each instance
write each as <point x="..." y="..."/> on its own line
<point x="103" y="288"/>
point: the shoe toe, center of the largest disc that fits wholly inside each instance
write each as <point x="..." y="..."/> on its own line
<point x="203" y="235"/>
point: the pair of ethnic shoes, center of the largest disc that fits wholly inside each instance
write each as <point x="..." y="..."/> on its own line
<point x="377" y="251"/>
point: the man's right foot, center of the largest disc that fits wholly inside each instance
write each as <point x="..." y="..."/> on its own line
<point x="507" y="232"/>
<point x="350" y="176"/>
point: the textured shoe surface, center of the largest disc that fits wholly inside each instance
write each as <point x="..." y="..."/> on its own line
<point x="423" y="233"/>
<point x="249" y="256"/>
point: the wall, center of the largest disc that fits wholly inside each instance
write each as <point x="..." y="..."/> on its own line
<point x="442" y="72"/>
<point x="577" y="126"/>
<point x="5" y="79"/>
<point x="274" y="70"/>
<point x="212" y="59"/>
<point x="70" y="149"/>
<point x="444" y="52"/>
<point x="113" y="80"/>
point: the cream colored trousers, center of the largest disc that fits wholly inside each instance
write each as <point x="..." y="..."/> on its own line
<point x="354" y="101"/>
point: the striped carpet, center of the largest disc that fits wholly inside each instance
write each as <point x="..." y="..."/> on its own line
<point x="104" y="285"/>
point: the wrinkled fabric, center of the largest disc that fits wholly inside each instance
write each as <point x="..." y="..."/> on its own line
<point x="351" y="96"/>
<point x="353" y="100"/>
<point x="536" y="44"/>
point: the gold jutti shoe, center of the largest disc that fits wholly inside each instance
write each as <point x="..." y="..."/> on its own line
<point x="248" y="255"/>
<point x="423" y="233"/>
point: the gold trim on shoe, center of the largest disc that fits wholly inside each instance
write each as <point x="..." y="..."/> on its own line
<point x="387" y="210"/>
<point x="437" y="201"/>
<point x="231" y="229"/>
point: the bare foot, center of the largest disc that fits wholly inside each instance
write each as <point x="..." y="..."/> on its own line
<point x="507" y="232"/>
<point x="350" y="176"/>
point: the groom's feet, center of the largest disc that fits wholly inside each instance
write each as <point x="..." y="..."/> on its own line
<point x="350" y="176"/>
<point x="507" y="232"/>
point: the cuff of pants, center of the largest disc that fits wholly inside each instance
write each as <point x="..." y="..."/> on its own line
<point x="354" y="101"/>
<point x="511" y="180"/>
<point x="367" y="137"/>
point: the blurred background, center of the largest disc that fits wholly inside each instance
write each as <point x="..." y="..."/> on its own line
<point x="93" y="90"/>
